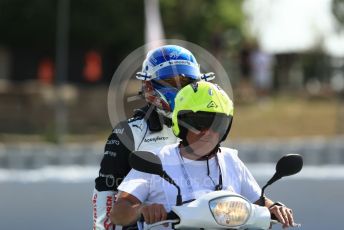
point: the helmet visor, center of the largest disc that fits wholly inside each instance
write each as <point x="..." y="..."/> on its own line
<point x="175" y="70"/>
<point x="169" y="87"/>
<point x="201" y="121"/>
<point x="177" y="82"/>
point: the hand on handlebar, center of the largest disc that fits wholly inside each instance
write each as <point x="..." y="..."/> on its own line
<point x="283" y="214"/>
<point x="153" y="213"/>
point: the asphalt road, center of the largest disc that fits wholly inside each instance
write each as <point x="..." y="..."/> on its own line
<point x="56" y="204"/>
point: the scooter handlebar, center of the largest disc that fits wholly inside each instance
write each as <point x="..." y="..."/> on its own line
<point x="170" y="216"/>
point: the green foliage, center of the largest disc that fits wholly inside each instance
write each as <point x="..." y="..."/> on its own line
<point x="107" y="23"/>
<point x="117" y="27"/>
<point x="199" y="21"/>
<point x="27" y="23"/>
<point x="92" y="23"/>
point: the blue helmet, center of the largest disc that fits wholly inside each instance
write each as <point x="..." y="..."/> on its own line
<point x="164" y="72"/>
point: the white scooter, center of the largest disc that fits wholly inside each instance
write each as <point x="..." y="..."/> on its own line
<point x="218" y="209"/>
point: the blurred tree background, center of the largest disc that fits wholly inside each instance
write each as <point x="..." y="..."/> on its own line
<point x="107" y="31"/>
<point x="114" y="28"/>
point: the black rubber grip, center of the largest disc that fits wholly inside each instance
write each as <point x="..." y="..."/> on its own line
<point x="170" y="216"/>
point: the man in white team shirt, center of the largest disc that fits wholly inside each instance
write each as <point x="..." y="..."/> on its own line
<point x="201" y="119"/>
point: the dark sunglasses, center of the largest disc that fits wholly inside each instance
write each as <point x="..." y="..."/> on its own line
<point x="199" y="121"/>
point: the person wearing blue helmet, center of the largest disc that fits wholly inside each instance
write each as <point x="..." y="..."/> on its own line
<point x="164" y="72"/>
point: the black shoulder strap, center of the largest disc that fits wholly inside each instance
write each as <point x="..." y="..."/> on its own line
<point x="154" y="120"/>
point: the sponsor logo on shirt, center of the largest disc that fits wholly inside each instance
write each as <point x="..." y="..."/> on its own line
<point x="111" y="142"/>
<point x="110" y="153"/>
<point x="107" y="221"/>
<point x="139" y="127"/>
<point x="118" y="131"/>
<point x="110" y="180"/>
<point x="155" y="139"/>
<point x="94" y="202"/>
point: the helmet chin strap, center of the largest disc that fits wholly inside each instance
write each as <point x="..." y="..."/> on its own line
<point x="190" y="151"/>
<point x="164" y="113"/>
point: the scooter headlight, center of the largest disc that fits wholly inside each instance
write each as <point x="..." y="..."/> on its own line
<point x="230" y="211"/>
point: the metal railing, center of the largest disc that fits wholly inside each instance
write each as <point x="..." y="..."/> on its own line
<point x="315" y="151"/>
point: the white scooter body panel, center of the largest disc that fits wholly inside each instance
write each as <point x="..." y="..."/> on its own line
<point x="260" y="218"/>
<point x="197" y="214"/>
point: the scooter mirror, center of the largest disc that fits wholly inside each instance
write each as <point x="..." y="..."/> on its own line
<point x="145" y="161"/>
<point x="289" y="164"/>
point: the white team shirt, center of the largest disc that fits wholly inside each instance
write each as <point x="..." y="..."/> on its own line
<point x="151" y="189"/>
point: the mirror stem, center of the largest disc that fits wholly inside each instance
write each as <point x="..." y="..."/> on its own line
<point x="179" y="200"/>
<point x="261" y="201"/>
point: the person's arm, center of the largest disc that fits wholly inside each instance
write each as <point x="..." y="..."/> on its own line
<point x="283" y="214"/>
<point x="114" y="166"/>
<point x="128" y="209"/>
<point x="130" y="204"/>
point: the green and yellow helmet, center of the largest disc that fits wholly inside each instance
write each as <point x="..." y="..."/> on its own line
<point x="202" y="105"/>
